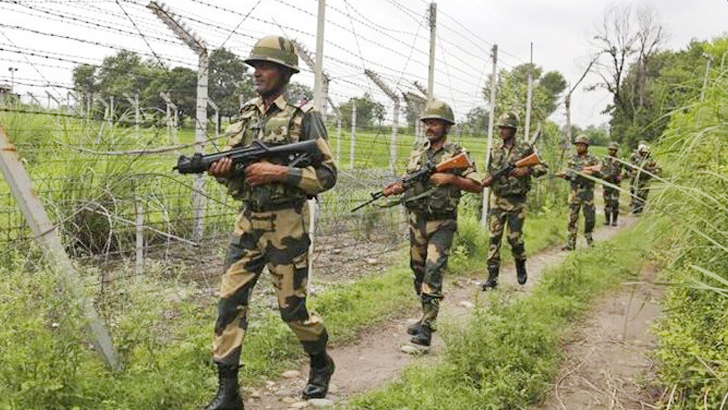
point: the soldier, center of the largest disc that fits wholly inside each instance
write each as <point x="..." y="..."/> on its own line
<point x="271" y="227"/>
<point x="432" y="214"/>
<point x="582" y="190"/>
<point x="642" y="166"/>
<point x="612" y="173"/>
<point x="507" y="202"/>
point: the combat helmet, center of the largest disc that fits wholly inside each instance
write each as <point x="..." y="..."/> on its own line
<point x="508" y="120"/>
<point x="438" y="110"/>
<point x="613" y="145"/>
<point x="582" y="139"/>
<point x="275" y="49"/>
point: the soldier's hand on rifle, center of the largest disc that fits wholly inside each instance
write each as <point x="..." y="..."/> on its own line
<point x="488" y="181"/>
<point x="221" y="167"/>
<point x="264" y="172"/>
<point x="560" y="175"/>
<point x="520" y="172"/>
<point x="441" y="178"/>
<point x="393" y="189"/>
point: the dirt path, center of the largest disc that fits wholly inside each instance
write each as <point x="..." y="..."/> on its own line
<point x="376" y="358"/>
<point x="608" y="353"/>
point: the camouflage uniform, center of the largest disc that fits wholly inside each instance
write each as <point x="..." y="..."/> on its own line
<point x="612" y="173"/>
<point x="432" y="219"/>
<point x="271" y="229"/>
<point x="581" y="196"/>
<point x="508" y="202"/>
<point x="640" y="179"/>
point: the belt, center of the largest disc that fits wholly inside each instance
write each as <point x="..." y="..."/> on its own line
<point x="297" y="205"/>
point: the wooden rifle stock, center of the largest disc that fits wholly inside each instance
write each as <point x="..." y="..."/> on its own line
<point x="527" y="161"/>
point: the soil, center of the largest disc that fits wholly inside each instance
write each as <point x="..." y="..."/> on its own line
<point x="608" y="355"/>
<point x="375" y="358"/>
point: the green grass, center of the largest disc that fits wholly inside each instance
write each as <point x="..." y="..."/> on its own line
<point x="161" y="323"/>
<point x="163" y="335"/>
<point x="693" y="332"/>
<point x="507" y="355"/>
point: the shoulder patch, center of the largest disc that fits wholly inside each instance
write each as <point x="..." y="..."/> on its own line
<point x="305" y="106"/>
<point x="250" y="103"/>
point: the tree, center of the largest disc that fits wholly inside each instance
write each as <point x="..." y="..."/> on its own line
<point x="126" y="73"/>
<point x="84" y="78"/>
<point x="553" y="83"/>
<point x="367" y="111"/>
<point x="181" y="83"/>
<point x="624" y="33"/>
<point x="229" y="79"/>
<point x="476" y="121"/>
<point x="512" y="91"/>
<point x="670" y="83"/>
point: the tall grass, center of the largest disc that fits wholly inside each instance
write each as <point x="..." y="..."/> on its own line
<point x="693" y="353"/>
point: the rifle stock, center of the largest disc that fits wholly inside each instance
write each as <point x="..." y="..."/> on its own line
<point x="527" y="161"/>
<point x="459" y="161"/>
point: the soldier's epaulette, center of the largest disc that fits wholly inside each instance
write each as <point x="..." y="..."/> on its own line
<point x="305" y="107"/>
<point x="253" y="102"/>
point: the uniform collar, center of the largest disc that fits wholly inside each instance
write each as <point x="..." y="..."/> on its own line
<point x="279" y="102"/>
<point x="502" y="144"/>
<point x="428" y="145"/>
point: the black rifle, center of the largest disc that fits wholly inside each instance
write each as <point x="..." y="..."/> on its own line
<point x="297" y="154"/>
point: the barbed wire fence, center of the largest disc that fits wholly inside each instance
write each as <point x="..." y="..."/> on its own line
<point x="102" y="166"/>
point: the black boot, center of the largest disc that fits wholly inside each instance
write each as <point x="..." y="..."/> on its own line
<point x="492" y="281"/>
<point x="424" y="337"/>
<point x="318" y="379"/>
<point x="414" y="328"/>
<point x="614" y="218"/>
<point x="228" y="390"/>
<point x="607" y="215"/>
<point x="521" y="271"/>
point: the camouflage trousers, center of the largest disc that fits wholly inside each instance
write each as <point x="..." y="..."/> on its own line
<point x="639" y="189"/>
<point x="430" y="242"/>
<point x="581" y="198"/>
<point x="502" y="211"/>
<point x="279" y="240"/>
<point x="611" y="200"/>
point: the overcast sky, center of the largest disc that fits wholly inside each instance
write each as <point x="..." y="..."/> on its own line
<point x="390" y="37"/>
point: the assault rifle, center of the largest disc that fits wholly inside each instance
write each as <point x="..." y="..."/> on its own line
<point x="528" y="161"/>
<point x="588" y="170"/>
<point x="297" y="154"/>
<point x="459" y="161"/>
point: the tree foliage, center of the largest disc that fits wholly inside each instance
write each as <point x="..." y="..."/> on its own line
<point x="368" y="111"/>
<point x="127" y="73"/>
<point x="476" y="121"/>
<point x="229" y="79"/>
<point x="512" y="91"/>
<point x="670" y="84"/>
